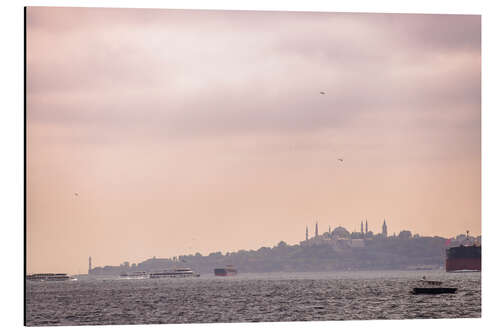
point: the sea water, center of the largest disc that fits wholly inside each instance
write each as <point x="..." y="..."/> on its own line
<point x="250" y="298"/>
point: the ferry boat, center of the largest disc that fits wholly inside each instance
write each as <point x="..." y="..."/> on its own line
<point x="176" y="273"/>
<point x="433" y="290"/>
<point x="48" y="277"/>
<point x="432" y="287"/>
<point x="134" y="275"/>
<point x="464" y="258"/>
<point x="227" y="271"/>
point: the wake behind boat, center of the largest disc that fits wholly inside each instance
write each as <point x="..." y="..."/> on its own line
<point x="175" y="273"/>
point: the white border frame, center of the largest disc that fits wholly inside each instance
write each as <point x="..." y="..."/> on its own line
<point x="12" y="168"/>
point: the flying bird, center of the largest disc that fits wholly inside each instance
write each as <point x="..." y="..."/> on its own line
<point x="322" y="92"/>
<point x="340" y="159"/>
<point x="76" y="194"/>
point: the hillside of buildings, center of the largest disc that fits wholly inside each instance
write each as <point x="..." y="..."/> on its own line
<point x="338" y="250"/>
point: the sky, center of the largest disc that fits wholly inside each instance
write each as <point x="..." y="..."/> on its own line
<point x="169" y="132"/>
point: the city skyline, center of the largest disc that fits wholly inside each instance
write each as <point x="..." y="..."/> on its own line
<point x="332" y="239"/>
<point x="272" y="243"/>
<point x="354" y="234"/>
<point x="147" y="134"/>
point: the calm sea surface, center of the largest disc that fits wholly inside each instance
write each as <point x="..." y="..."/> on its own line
<point x="250" y="297"/>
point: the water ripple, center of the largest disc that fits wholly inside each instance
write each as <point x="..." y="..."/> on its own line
<point x="249" y="298"/>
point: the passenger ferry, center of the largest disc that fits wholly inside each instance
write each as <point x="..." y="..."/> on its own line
<point x="134" y="275"/>
<point x="176" y="273"/>
<point x="48" y="277"/>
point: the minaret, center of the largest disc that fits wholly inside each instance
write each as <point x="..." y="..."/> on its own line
<point x="366" y="226"/>
<point x="90" y="264"/>
<point x="329" y="230"/>
<point x="384" y="229"/>
<point x="307" y="234"/>
<point x="316" y="232"/>
<point x="361" y="227"/>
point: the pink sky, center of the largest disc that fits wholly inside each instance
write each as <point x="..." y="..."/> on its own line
<point x="186" y="131"/>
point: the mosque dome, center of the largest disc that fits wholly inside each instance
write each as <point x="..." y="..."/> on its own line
<point x="341" y="232"/>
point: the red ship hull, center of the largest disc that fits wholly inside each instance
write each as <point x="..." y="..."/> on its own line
<point x="463" y="258"/>
<point x="463" y="264"/>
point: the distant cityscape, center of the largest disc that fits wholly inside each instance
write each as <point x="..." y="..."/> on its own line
<point x="333" y="250"/>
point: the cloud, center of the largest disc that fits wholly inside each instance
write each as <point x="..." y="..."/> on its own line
<point x="164" y="73"/>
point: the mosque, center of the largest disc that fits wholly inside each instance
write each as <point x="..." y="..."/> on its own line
<point x="342" y="235"/>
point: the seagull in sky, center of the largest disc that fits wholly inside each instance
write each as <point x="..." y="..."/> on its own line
<point x="76" y="194"/>
<point x="322" y="92"/>
<point x="340" y="159"/>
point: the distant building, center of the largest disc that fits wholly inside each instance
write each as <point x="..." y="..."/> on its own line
<point x="356" y="235"/>
<point x="357" y="243"/>
<point x="341" y="233"/>
<point x="327" y="238"/>
<point x="406" y="234"/>
<point x="90" y="264"/>
<point x="384" y="229"/>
